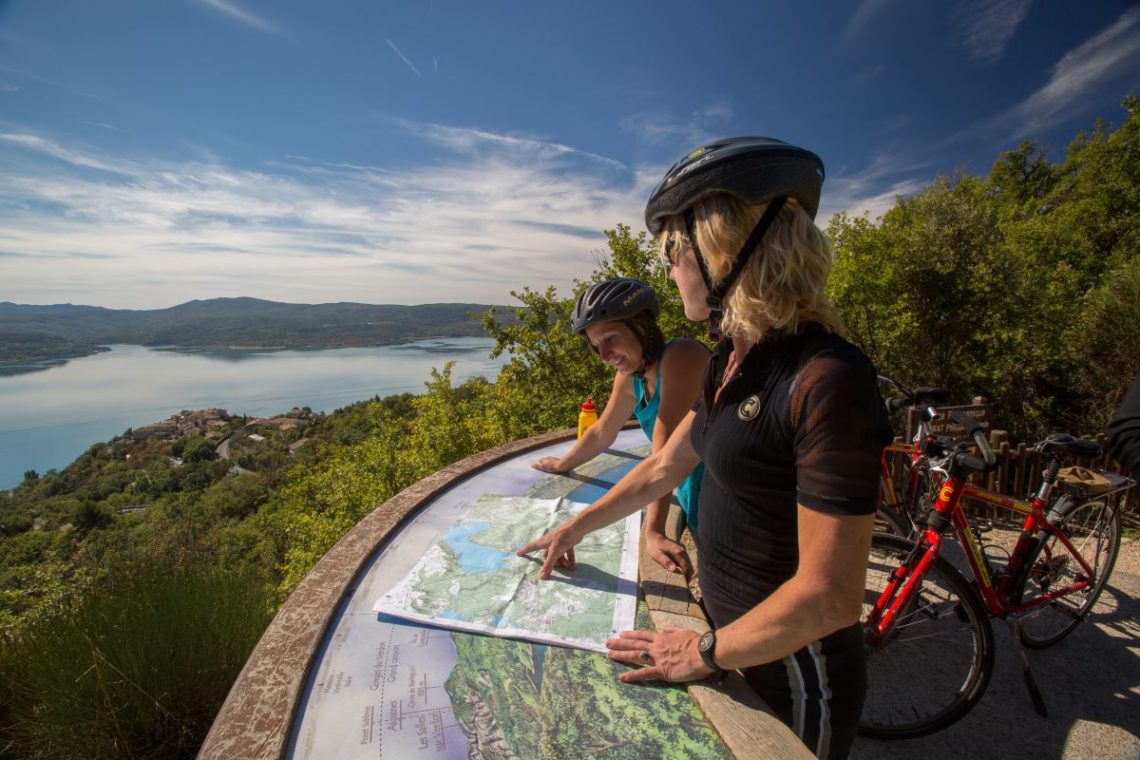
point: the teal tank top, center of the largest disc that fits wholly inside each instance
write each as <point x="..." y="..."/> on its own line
<point x="646" y="412"/>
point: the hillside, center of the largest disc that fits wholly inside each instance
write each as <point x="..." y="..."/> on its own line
<point x="63" y="330"/>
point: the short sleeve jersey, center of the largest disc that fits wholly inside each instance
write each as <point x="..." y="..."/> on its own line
<point x="801" y="422"/>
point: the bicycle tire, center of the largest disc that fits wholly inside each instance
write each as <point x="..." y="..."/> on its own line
<point x="937" y="663"/>
<point x="889" y="521"/>
<point x="1094" y="529"/>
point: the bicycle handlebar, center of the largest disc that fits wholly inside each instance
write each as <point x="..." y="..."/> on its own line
<point x="894" y="404"/>
<point x="988" y="460"/>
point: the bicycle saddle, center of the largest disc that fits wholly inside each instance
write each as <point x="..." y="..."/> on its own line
<point x="1063" y="443"/>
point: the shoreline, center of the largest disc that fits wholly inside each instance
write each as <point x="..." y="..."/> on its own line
<point x="35" y="363"/>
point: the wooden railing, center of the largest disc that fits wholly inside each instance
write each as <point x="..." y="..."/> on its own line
<point x="1018" y="472"/>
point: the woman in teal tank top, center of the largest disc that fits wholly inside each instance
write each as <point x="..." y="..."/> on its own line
<point x="657" y="382"/>
<point x="646" y="411"/>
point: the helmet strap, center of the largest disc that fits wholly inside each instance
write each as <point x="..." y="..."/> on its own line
<point x="715" y="298"/>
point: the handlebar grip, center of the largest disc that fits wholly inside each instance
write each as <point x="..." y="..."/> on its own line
<point x="978" y="465"/>
<point x="988" y="461"/>
<point x="984" y="446"/>
<point x="894" y="404"/>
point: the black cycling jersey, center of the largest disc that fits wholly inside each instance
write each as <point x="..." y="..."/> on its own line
<point x="800" y="422"/>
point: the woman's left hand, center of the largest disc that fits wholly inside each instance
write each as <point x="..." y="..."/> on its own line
<point x="668" y="553"/>
<point x="666" y="655"/>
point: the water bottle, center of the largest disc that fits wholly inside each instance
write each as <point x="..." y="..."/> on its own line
<point x="587" y="416"/>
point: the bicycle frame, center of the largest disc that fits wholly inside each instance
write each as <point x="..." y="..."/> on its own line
<point x="949" y="504"/>
<point x="902" y="505"/>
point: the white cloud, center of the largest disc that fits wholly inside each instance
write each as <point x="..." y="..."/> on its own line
<point x="8" y="87"/>
<point x="499" y="213"/>
<point x="1078" y="79"/>
<point x="402" y="57"/>
<point x="49" y="148"/>
<point x="867" y="10"/>
<point x="873" y="189"/>
<point x="984" y="27"/>
<point x="238" y="14"/>
<point x="656" y="128"/>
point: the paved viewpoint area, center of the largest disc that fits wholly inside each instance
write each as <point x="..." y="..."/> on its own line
<point x="1090" y="681"/>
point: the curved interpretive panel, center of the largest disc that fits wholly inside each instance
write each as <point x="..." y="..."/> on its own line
<point x="333" y="678"/>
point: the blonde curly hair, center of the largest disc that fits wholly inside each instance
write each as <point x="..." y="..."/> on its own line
<point x="782" y="286"/>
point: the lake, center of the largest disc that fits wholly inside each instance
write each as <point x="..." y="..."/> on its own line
<point x="51" y="416"/>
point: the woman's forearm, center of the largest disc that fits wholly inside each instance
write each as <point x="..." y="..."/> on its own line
<point x="593" y="442"/>
<point x="795" y="615"/>
<point x="657" y="515"/>
<point x="652" y="478"/>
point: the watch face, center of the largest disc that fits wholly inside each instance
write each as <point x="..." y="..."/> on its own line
<point x="705" y="647"/>
<point x="707" y="642"/>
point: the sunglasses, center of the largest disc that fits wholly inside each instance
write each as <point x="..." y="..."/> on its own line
<point x="672" y="253"/>
<point x="674" y="248"/>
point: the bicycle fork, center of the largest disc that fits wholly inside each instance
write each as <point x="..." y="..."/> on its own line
<point x="901" y="589"/>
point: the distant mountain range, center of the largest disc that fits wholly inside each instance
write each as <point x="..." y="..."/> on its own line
<point x="63" y="331"/>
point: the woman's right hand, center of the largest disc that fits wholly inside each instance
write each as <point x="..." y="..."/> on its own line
<point x="550" y="464"/>
<point x="559" y="547"/>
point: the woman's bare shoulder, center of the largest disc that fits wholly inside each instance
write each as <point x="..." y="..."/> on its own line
<point x="686" y="350"/>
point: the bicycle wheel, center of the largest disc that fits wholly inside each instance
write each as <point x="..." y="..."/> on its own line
<point x="888" y="520"/>
<point x="937" y="662"/>
<point x="1094" y="529"/>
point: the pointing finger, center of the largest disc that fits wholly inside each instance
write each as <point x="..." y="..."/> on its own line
<point x="533" y="546"/>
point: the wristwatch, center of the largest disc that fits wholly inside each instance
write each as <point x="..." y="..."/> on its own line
<point x="707" y="649"/>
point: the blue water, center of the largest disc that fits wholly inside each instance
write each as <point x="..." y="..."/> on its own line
<point x="475" y="558"/>
<point x="50" y="416"/>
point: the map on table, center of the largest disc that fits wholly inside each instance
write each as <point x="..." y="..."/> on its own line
<point x="471" y="579"/>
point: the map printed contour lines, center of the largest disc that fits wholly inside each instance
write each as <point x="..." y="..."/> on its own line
<point x="471" y="579"/>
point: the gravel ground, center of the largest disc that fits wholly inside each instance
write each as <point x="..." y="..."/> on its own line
<point x="1090" y="682"/>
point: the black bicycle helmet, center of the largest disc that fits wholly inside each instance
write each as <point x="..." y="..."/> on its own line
<point x="619" y="298"/>
<point x="754" y="169"/>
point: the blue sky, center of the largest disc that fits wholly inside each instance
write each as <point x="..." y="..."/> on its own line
<point x="400" y="151"/>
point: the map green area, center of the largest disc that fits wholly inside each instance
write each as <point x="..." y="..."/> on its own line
<point x="517" y="700"/>
<point x="471" y="579"/>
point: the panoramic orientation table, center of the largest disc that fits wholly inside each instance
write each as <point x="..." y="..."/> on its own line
<point x="331" y="678"/>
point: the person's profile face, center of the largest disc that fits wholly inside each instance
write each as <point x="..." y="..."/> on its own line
<point x="686" y="274"/>
<point x="616" y="345"/>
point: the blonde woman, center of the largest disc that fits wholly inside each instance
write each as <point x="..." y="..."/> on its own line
<point x="789" y="427"/>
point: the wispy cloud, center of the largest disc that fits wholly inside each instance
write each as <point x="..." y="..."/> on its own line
<point x="867" y="10"/>
<point x="245" y="17"/>
<point x="491" y="214"/>
<point x="468" y="140"/>
<point x="1078" y="81"/>
<point x="402" y="57"/>
<point x="8" y="87"/>
<point x="702" y="125"/>
<point x="873" y="189"/>
<point x="984" y="27"/>
<point x="48" y="148"/>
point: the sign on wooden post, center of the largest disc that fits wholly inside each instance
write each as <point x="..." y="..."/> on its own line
<point x="944" y="425"/>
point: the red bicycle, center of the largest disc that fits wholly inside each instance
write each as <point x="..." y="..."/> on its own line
<point x="929" y="640"/>
<point x="905" y="492"/>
